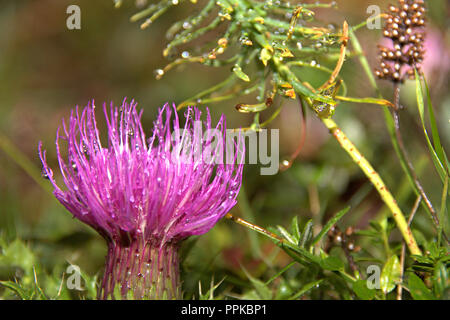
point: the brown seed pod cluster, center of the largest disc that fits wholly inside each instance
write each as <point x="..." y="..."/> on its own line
<point x="405" y="28"/>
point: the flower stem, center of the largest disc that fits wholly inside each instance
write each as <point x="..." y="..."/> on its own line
<point x="376" y="180"/>
<point x="408" y="166"/>
<point x="141" y="270"/>
<point x="392" y="122"/>
<point x="362" y="162"/>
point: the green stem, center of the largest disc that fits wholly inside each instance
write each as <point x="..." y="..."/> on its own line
<point x="365" y="166"/>
<point x="378" y="183"/>
<point x="394" y="132"/>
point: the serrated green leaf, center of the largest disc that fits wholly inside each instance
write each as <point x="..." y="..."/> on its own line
<point x="18" y="254"/>
<point x="390" y="275"/>
<point x="239" y="73"/>
<point x="418" y="289"/>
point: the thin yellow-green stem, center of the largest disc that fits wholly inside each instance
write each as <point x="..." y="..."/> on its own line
<point x="377" y="182"/>
<point x="365" y="166"/>
<point x="394" y="132"/>
<point x="280" y="241"/>
<point x="403" y="252"/>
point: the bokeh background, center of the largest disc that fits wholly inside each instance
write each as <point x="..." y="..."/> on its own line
<point x="46" y="69"/>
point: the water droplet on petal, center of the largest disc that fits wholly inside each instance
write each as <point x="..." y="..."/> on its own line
<point x="45" y="175"/>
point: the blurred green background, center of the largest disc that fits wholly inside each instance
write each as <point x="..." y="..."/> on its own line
<point x="46" y="69"/>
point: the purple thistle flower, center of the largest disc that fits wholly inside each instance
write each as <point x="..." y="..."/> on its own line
<point x="145" y="197"/>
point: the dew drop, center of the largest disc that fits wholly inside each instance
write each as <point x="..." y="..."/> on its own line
<point x="175" y="2"/>
<point x="185" y="54"/>
<point x="299" y="45"/>
<point x="158" y="73"/>
<point x="187" y="25"/>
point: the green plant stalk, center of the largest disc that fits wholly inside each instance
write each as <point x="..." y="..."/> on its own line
<point x="393" y="133"/>
<point x="377" y="182"/>
<point x="365" y="166"/>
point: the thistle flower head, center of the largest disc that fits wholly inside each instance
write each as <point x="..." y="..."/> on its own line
<point x="404" y="28"/>
<point x="163" y="189"/>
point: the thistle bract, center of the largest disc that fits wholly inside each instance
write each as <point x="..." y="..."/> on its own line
<point x="145" y="196"/>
